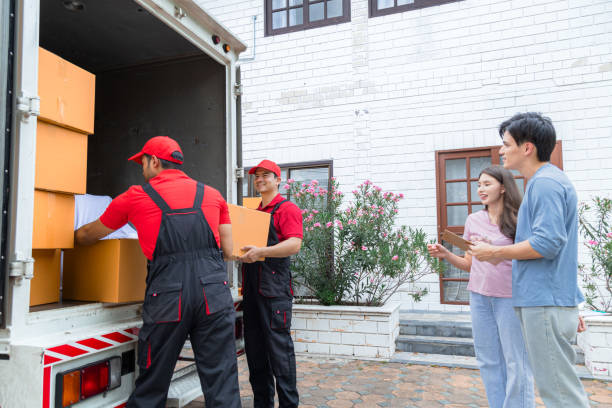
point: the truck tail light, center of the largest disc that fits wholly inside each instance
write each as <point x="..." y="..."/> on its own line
<point x="94" y="379"/>
<point x="71" y="390"/>
<point x="89" y="380"/>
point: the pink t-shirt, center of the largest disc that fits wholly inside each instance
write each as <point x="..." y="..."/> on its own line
<point x="485" y="278"/>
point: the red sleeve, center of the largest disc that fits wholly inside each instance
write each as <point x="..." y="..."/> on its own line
<point x="116" y="215"/>
<point x="290" y="223"/>
<point x="224" y="217"/>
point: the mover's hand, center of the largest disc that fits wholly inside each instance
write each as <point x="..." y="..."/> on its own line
<point x="581" y="325"/>
<point x="437" y="251"/>
<point x="252" y="254"/>
<point x="484" y="252"/>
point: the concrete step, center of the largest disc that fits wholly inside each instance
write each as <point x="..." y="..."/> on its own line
<point x="436" y="324"/>
<point x="457" y="346"/>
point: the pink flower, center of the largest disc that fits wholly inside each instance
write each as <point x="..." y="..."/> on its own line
<point x="367" y="182"/>
<point x="315" y="211"/>
<point x="314" y="183"/>
<point x="329" y="224"/>
<point x="355" y="192"/>
<point x="286" y="186"/>
<point x="290" y="181"/>
<point x="374" y="206"/>
<point x="416" y="251"/>
<point x="333" y="179"/>
<point x="304" y="185"/>
<point x="385" y="234"/>
<point x="377" y="188"/>
<point x="401" y="195"/>
<point x="395" y="210"/>
<point x="368" y="194"/>
<point x="609" y="235"/>
<point x="591" y="242"/>
<point x="364" y="248"/>
<point x="395" y="258"/>
<point x="317" y="224"/>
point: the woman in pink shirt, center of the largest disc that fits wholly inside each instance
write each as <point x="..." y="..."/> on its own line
<point x="498" y="340"/>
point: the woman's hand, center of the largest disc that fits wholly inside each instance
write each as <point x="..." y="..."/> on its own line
<point x="438" y="251"/>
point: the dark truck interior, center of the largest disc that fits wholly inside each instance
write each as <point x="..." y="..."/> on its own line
<point x="149" y="81"/>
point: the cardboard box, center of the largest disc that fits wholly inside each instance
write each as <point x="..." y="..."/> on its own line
<point x="251" y="202"/>
<point x="53" y="220"/>
<point x="45" y="285"/>
<point x="67" y="93"/>
<point x="61" y="159"/>
<point x="112" y="270"/>
<point x="249" y="227"/>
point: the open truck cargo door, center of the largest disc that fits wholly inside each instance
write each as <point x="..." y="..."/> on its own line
<point x="158" y="71"/>
<point x="7" y="52"/>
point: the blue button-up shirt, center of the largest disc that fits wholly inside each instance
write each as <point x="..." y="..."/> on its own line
<point x="548" y="218"/>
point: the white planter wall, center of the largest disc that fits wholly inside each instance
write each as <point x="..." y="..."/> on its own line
<point x="596" y="343"/>
<point x="357" y="331"/>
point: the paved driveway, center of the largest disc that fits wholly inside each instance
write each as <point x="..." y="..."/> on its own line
<point x="340" y="383"/>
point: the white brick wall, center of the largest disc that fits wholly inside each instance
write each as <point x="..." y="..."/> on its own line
<point x="597" y="345"/>
<point x="346" y="330"/>
<point x="380" y="95"/>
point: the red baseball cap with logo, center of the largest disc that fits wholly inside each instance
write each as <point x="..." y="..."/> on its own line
<point x="268" y="165"/>
<point x="162" y="147"/>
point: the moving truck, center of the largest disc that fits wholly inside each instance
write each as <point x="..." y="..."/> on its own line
<point x="148" y="67"/>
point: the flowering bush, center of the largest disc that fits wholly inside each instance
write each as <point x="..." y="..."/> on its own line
<point x="596" y="229"/>
<point x="355" y="254"/>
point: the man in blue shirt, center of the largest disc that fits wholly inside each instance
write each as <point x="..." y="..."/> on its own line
<point x="545" y="259"/>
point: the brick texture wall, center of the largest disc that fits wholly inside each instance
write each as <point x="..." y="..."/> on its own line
<point x="380" y="95"/>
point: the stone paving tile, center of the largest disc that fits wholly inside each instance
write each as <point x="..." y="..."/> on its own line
<point x="344" y="383"/>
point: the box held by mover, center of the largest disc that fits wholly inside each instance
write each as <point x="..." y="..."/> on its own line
<point x="249" y="227"/>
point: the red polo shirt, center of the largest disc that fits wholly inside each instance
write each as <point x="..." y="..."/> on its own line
<point x="287" y="219"/>
<point x="178" y="190"/>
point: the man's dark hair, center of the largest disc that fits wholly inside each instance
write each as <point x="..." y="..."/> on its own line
<point x="165" y="164"/>
<point x="534" y="128"/>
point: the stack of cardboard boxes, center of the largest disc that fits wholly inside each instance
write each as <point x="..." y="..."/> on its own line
<point x="110" y="271"/>
<point x="67" y="95"/>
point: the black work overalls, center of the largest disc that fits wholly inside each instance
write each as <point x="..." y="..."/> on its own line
<point x="186" y="294"/>
<point x="267" y="304"/>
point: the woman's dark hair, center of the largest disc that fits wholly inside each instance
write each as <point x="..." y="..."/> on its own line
<point x="511" y="198"/>
<point x="534" y="128"/>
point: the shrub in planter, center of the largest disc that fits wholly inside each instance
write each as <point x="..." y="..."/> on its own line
<point x="355" y="254"/>
<point x="596" y="229"/>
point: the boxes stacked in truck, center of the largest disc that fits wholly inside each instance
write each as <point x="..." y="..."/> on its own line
<point x="67" y="103"/>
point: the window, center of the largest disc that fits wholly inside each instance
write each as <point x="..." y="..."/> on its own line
<point x="457" y="174"/>
<point x="384" y="7"/>
<point x="300" y="172"/>
<point x="283" y="16"/>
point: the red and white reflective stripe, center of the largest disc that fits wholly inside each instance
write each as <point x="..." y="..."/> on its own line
<point x="68" y="351"/>
<point x="64" y="352"/>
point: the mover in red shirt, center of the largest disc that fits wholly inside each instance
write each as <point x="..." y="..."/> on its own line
<point x="267" y="295"/>
<point x="184" y="230"/>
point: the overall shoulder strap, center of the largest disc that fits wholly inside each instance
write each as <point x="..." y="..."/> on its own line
<point x="157" y="199"/>
<point x="199" y="197"/>
<point x="277" y="205"/>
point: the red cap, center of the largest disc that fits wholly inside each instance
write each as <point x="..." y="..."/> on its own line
<point x="162" y="147"/>
<point x="268" y="165"/>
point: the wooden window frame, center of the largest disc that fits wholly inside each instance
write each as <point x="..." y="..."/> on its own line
<point x="269" y="31"/>
<point x="418" y="4"/>
<point x="441" y="156"/>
